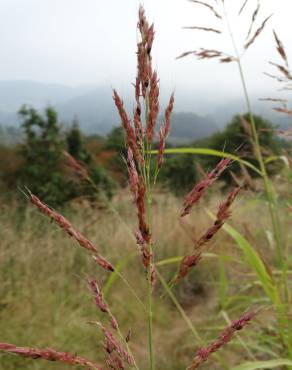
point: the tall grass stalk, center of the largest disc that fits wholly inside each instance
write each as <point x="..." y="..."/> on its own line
<point x="139" y="136"/>
<point x="271" y="197"/>
<point x="279" y="295"/>
<point x="149" y="218"/>
<point x="187" y="320"/>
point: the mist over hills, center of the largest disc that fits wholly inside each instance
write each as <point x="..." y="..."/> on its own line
<point x="194" y="116"/>
<point x="15" y="93"/>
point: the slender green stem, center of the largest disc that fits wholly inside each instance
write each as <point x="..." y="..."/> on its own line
<point x="147" y="178"/>
<point x="186" y="318"/>
<point x="150" y="322"/>
<point x="268" y="186"/>
<point x="150" y="308"/>
<point x="132" y="290"/>
<point x="124" y="341"/>
<point x="150" y="313"/>
<point x="271" y="196"/>
<point x="179" y="307"/>
<point x="116" y="213"/>
<point x="121" y="337"/>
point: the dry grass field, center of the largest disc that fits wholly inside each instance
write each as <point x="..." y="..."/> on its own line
<point x="45" y="301"/>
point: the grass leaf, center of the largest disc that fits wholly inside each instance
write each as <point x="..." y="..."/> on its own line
<point x="255" y="262"/>
<point x="263" y="364"/>
<point x="177" y="259"/>
<point x="276" y="158"/>
<point x="115" y="274"/>
<point x="212" y="152"/>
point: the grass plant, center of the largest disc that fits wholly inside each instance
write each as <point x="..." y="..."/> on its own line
<point x="151" y="292"/>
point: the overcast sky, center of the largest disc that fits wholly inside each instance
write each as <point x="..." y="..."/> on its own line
<point x="76" y="42"/>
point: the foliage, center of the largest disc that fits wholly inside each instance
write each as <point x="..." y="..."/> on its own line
<point x="75" y="144"/>
<point x="179" y="173"/>
<point x="104" y="185"/>
<point x="115" y="142"/>
<point x="42" y="151"/>
<point x="236" y="139"/>
<point x="256" y="279"/>
<point x="101" y="184"/>
<point x="43" y="167"/>
<point x="9" y="135"/>
<point x="9" y="167"/>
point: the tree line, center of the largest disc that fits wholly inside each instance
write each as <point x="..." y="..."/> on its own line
<point x="39" y="163"/>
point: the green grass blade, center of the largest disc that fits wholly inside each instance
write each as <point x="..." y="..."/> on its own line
<point x="263" y="364"/>
<point x="255" y="262"/>
<point x="115" y="274"/>
<point x="273" y="158"/>
<point x="173" y="260"/>
<point x="212" y="152"/>
<point x="223" y="285"/>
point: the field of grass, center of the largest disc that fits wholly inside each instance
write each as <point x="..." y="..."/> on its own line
<point x="45" y="302"/>
<point x="203" y="278"/>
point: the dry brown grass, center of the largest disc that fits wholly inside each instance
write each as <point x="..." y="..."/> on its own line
<point x="44" y="300"/>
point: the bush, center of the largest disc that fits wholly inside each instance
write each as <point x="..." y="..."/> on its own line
<point x="236" y="139"/>
<point x="42" y="152"/>
<point x="179" y="173"/>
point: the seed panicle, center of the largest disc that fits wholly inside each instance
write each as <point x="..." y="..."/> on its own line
<point x="257" y="33"/>
<point x="254" y="16"/>
<point x="225" y="337"/>
<point x="164" y="131"/>
<point x="208" y="29"/>
<point x="242" y="7"/>
<point x="69" y="229"/>
<point x="112" y="345"/>
<point x="223" y="213"/>
<point x="199" y="189"/>
<point x="76" y="166"/>
<point x="281" y="49"/>
<point x="49" y="355"/>
<point x="207" y="6"/>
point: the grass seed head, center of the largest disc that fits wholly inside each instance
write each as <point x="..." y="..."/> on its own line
<point x="206" y="5"/>
<point x="49" y="355"/>
<point x="69" y="229"/>
<point x="224" y="338"/>
<point x="199" y="189"/>
<point x="257" y="33"/>
<point x="164" y="131"/>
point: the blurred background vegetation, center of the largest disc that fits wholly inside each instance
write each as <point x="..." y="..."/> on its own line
<point x="33" y="157"/>
<point x="44" y="300"/>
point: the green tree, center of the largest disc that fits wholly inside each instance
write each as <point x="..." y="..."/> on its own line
<point x="179" y="173"/>
<point x="101" y="183"/>
<point x="104" y="185"/>
<point x="115" y="142"/>
<point x="42" y="150"/>
<point x="236" y="139"/>
<point x="75" y="144"/>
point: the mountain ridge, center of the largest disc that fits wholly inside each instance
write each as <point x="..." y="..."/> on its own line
<point x="93" y="107"/>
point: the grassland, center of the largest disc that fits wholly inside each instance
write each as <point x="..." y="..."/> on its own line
<point x="44" y="300"/>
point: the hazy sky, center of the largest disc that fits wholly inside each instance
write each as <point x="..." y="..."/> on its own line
<point x="78" y="42"/>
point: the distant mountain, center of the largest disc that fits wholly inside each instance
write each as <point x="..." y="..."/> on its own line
<point x="223" y="113"/>
<point x="10" y="135"/>
<point x="13" y="94"/>
<point x="186" y="127"/>
<point x="93" y="107"/>
<point x="8" y="119"/>
<point x="95" y="110"/>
